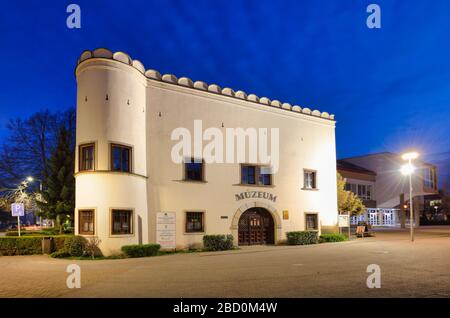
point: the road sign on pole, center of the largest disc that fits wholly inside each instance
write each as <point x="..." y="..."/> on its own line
<point x="18" y="209"/>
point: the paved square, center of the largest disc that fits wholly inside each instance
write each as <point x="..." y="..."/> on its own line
<point x="419" y="269"/>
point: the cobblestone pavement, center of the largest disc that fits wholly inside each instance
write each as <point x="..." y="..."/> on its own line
<point x="419" y="269"/>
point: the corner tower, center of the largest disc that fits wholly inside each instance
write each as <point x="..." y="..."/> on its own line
<point x="111" y="168"/>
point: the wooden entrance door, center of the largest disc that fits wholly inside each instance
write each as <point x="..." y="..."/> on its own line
<point x="256" y="227"/>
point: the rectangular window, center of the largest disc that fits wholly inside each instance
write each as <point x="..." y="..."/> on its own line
<point x="258" y="175"/>
<point x="309" y="178"/>
<point x="193" y="170"/>
<point x="429" y="178"/>
<point x="86" y="222"/>
<point x="194" y="222"/>
<point x="120" y="158"/>
<point x="311" y="222"/>
<point x="122" y="222"/>
<point x="86" y="157"/>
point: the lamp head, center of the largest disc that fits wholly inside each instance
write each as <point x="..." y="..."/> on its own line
<point x="410" y="155"/>
<point x="30" y="179"/>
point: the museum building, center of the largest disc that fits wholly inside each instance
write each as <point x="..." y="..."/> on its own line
<point x="129" y="190"/>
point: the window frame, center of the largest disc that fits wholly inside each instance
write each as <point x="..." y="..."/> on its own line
<point x="185" y="170"/>
<point x="257" y="175"/>
<point x="130" y="159"/>
<point x="202" y="213"/>
<point x="315" y="180"/>
<point x="81" y="162"/>
<point x="111" y="222"/>
<point x="316" y="215"/>
<point x="80" y="212"/>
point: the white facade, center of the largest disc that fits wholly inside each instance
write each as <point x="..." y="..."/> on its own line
<point x="118" y="102"/>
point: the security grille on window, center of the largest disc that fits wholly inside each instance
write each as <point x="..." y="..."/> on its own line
<point x="120" y="158"/>
<point x="257" y="175"/>
<point x="310" y="179"/>
<point x="193" y="170"/>
<point x="86" y="222"/>
<point x="86" y="157"/>
<point x="311" y="222"/>
<point x="194" y="222"/>
<point x="121" y="221"/>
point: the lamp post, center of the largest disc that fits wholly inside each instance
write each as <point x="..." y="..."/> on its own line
<point x="31" y="179"/>
<point x="408" y="169"/>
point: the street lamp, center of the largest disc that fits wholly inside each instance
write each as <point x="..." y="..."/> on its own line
<point x="31" y="179"/>
<point x="408" y="170"/>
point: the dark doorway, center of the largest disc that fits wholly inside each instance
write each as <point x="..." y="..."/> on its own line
<point x="256" y="227"/>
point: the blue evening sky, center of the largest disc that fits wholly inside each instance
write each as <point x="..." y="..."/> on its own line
<point x="389" y="88"/>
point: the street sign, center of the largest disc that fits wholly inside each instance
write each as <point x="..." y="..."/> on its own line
<point x="17" y="209"/>
<point x="344" y="220"/>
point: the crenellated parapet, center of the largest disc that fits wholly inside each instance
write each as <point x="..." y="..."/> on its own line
<point x="187" y="82"/>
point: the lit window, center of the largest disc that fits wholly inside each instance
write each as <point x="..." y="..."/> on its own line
<point x="311" y="222"/>
<point x="121" y="221"/>
<point x="86" y="222"/>
<point x="309" y="178"/>
<point x="258" y="175"/>
<point x="86" y="157"/>
<point x="120" y="158"/>
<point x="194" y="222"/>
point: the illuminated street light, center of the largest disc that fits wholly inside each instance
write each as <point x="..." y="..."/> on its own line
<point x="30" y="179"/>
<point x="408" y="170"/>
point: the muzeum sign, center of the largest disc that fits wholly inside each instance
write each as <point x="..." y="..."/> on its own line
<point x="255" y="195"/>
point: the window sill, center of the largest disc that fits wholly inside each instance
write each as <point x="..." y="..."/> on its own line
<point x="120" y="235"/>
<point x="194" y="233"/>
<point x="310" y="189"/>
<point x="190" y="181"/>
<point x="254" y="185"/>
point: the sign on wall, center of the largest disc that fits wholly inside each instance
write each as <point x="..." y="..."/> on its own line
<point x="256" y="195"/>
<point x="166" y="229"/>
<point x="285" y="215"/>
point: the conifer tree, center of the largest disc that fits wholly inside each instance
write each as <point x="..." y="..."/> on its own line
<point x="58" y="194"/>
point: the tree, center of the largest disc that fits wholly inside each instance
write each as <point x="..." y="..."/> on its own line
<point x="26" y="151"/>
<point x="58" y="195"/>
<point x="348" y="202"/>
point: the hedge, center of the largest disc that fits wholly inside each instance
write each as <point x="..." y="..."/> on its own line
<point x="20" y="245"/>
<point x="334" y="237"/>
<point x="217" y="242"/>
<point x="142" y="250"/>
<point x="302" y="237"/>
<point x="75" y="245"/>
<point x="48" y="231"/>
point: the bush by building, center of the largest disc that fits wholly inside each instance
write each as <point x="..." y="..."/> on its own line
<point x="141" y="250"/>
<point x="75" y="245"/>
<point x="335" y="237"/>
<point x="218" y="242"/>
<point x="302" y="237"/>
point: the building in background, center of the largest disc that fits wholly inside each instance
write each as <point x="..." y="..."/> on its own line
<point x="376" y="179"/>
<point x="130" y="191"/>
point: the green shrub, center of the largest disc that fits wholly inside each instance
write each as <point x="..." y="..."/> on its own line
<point x="217" y="242"/>
<point x="47" y="231"/>
<point x="335" y="237"/>
<point x="142" y="250"/>
<point x="302" y="237"/>
<point x="62" y="253"/>
<point x="59" y="240"/>
<point x="20" y="245"/>
<point x="75" y="245"/>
